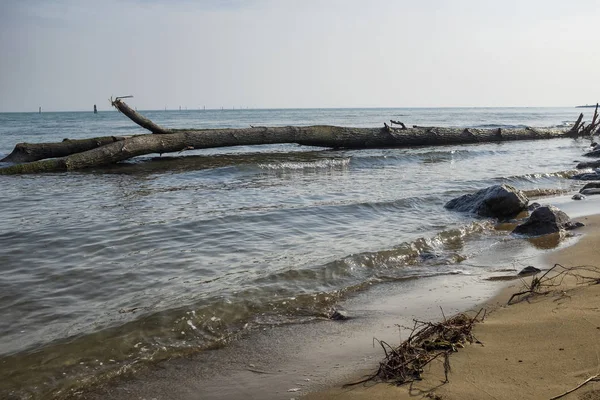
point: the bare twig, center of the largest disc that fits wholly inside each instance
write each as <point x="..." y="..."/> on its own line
<point x="554" y="277"/>
<point x="590" y="379"/>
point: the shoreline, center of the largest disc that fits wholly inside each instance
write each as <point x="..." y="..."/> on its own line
<point x="315" y="359"/>
<point x="306" y="357"/>
<point x="519" y="358"/>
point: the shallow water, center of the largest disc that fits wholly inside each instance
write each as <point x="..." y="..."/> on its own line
<point x="164" y="256"/>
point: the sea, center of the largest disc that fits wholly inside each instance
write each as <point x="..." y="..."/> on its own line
<point x="112" y="269"/>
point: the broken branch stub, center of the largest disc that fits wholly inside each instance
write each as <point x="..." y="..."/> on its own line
<point x="136" y="117"/>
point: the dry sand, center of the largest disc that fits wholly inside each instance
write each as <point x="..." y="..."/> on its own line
<point x="535" y="349"/>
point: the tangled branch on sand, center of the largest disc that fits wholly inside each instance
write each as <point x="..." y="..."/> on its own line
<point x="554" y="277"/>
<point x="428" y="341"/>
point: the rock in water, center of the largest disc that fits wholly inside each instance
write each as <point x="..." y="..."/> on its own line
<point x="545" y="220"/>
<point x="578" y="196"/>
<point x="590" y="188"/>
<point x="590" y="191"/>
<point x="500" y="201"/>
<point x="588" y="176"/>
<point x="339" y="315"/>
<point x="529" y="270"/>
<point x="594" y="153"/>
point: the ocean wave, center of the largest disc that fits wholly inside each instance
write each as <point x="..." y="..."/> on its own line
<point x="544" y="192"/>
<point x="501" y="126"/>
<point x="290" y="296"/>
<point x="534" y="177"/>
<point x="327" y="163"/>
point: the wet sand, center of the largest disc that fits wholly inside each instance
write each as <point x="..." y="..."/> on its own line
<point x="287" y="362"/>
<point x="535" y="349"/>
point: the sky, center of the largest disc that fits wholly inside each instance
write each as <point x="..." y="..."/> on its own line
<point x="71" y="54"/>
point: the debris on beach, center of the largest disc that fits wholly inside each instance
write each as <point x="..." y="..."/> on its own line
<point x="339" y="315"/>
<point x="553" y="278"/>
<point x="427" y="342"/>
<point x="529" y="270"/>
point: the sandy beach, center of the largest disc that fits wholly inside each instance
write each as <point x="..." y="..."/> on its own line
<point x="535" y="349"/>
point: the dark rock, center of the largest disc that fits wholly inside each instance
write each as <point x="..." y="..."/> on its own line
<point x="529" y="270"/>
<point x="590" y="188"/>
<point x="574" y="225"/>
<point x="588" y="164"/>
<point x="495" y="201"/>
<point x="591" y="185"/>
<point x="545" y="220"/>
<point x="533" y="206"/>
<point x="578" y="196"/>
<point x="427" y="255"/>
<point x="339" y="315"/>
<point x="593" y="153"/>
<point x="590" y="191"/>
<point x="588" y="176"/>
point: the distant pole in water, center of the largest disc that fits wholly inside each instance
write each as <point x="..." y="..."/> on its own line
<point x="40" y="110"/>
<point x="179" y="108"/>
<point x="204" y="107"/>
<point x="95" y="109"/>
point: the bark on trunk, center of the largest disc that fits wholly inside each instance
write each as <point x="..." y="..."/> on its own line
<point x="27" y="152"/>
<point x="322" y="135"/>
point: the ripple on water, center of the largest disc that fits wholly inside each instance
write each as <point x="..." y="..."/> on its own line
<point x="105" y="270"/>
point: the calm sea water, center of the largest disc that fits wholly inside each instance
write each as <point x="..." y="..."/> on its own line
<point x="103" y="270"/>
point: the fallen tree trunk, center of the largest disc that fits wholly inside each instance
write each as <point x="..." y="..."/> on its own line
<point x="320" y="135"/>
<point x="27" y="152"/>
<point x="323" y="136"/>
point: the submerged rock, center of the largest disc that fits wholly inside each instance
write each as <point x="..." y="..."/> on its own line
<point x="588" y="164"/>
<point x="590" y="188"/>
<point x="545" y="220"/>
<point x="594" y="153"/>
<point x="499" y="201"/>
<point x="588" y="176"/>
<point x="578" y="196"/>
<point x="589" y="191"/>
<point x="591" y="185"/>
<point x="339" y="315"/>
<point x="529" y="270"/>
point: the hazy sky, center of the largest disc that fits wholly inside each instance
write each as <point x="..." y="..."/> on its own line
<point x="70" y="54"/>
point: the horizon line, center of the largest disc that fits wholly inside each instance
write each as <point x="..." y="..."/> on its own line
<point x="292" y="108"/>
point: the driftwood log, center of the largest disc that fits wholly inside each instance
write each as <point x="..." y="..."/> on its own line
<point x="27" y="152"/>
<point x="80" y="154"/>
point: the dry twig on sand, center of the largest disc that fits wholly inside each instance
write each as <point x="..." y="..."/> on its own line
<point x="553" y="278"/>
<point x="428" y="341"/>
<point x="593" y="378"/>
